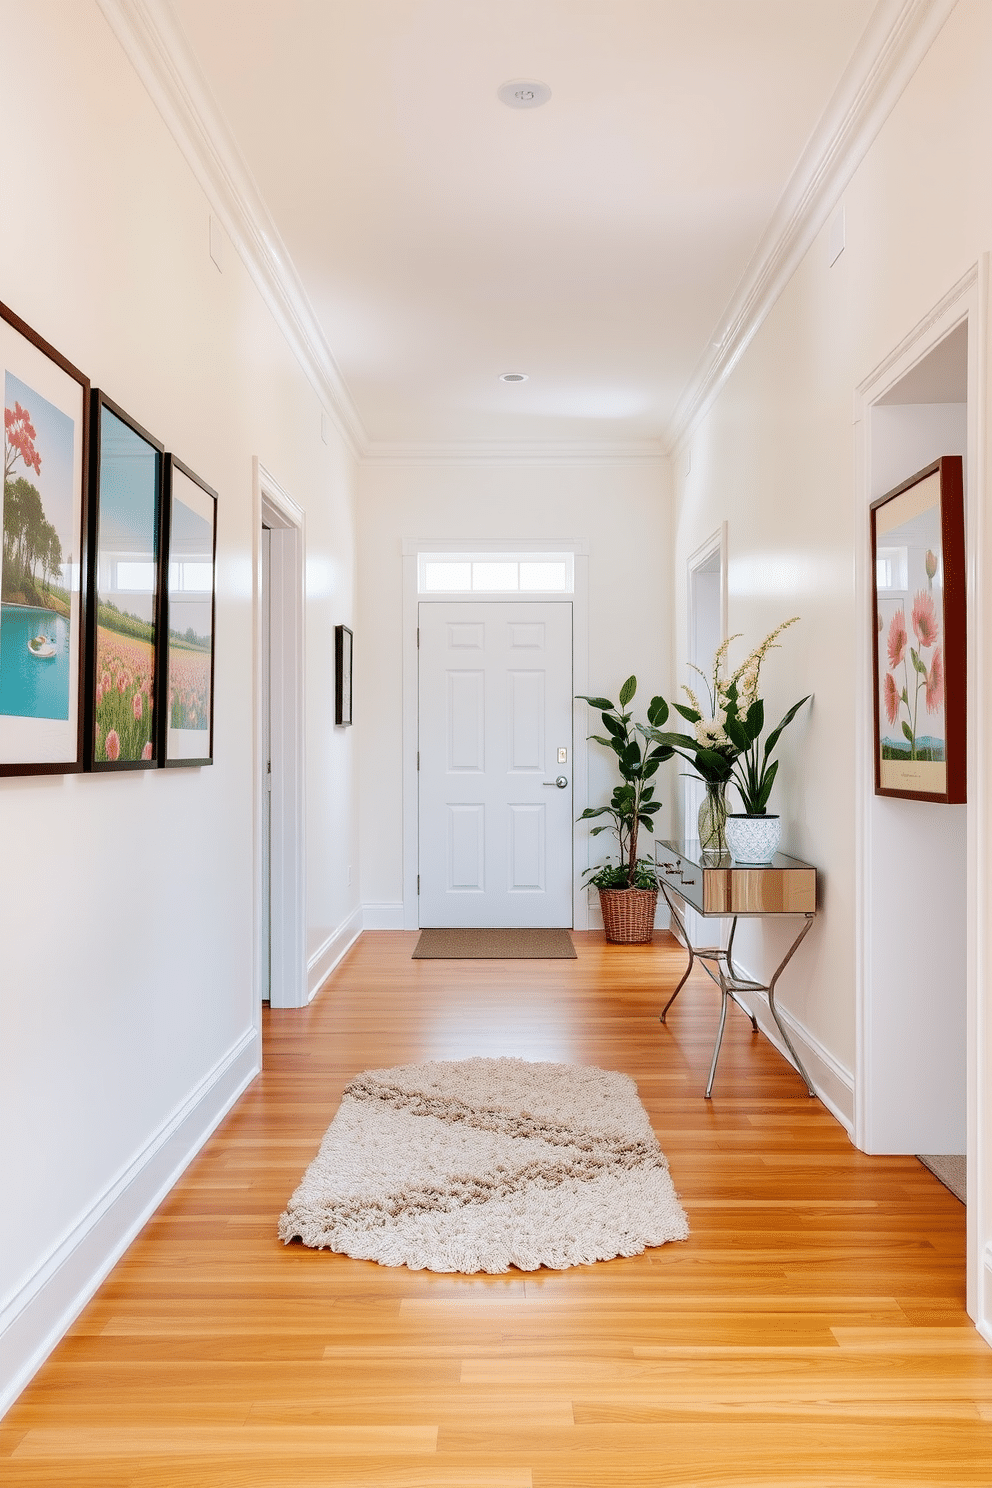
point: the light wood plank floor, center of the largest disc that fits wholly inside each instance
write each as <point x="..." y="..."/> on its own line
<point x="811" y="1331"/>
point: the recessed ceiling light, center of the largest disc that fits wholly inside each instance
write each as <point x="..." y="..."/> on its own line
<point x="523" y="93"/>
<point x="513" y="377"/>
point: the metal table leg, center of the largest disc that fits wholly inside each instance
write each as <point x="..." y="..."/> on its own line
<point x="730" y="982"/>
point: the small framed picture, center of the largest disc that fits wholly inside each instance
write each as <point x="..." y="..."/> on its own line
<point x="919" y="646"/>
<point x="44" y="510"/>
<point x="343" y="640"/>
<point x="124" y="631"/>
<point x="190" y="542"/>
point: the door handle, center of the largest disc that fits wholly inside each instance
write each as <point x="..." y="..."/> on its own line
<point x="560" y="781"/>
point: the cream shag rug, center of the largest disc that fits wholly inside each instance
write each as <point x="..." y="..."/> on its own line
<point x="483" y="1164"/>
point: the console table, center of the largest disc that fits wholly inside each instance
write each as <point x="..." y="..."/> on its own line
<point x="715" y="886"/>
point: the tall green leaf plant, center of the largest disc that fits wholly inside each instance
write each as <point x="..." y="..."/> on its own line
<point x="633" y="804"/>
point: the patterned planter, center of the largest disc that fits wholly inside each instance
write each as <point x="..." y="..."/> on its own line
<point x="628" y="915"/>
<point x="753" y="839"/>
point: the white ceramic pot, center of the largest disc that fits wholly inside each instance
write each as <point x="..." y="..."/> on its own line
<point x="753" y="839"/>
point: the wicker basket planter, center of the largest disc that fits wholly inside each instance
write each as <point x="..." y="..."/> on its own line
<point x="628" y="915"/>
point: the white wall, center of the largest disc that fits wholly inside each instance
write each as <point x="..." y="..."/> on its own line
<point x="775" y="456"/>
<point x="623" y="511"/>
<point x="126" y="905"/>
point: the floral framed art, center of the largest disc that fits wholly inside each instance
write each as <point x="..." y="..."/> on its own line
<point x="343" y="643"/>
<point x="123" y="640"/>
<point x="44" y="513"/>
<point x="919" y="649"/>
<point x="190" y="542"/>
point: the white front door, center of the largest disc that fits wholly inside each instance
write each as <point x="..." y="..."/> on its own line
<point x="496" y="764"/>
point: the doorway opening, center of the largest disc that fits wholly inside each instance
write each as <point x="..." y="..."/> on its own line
<point x="280" y="898"/>
<point x="913" y="1055"/>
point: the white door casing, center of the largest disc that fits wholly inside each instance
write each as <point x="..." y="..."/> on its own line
<point x="495" y="711"/>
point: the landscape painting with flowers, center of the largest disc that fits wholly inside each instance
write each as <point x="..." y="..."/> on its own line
<point x="126" y="594"/>
<point x="42" y="513"/>
<point x="918" y="554"/>
<point x="192" y="525"/>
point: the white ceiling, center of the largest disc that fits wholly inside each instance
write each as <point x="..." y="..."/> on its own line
<point x="594" y="243"/>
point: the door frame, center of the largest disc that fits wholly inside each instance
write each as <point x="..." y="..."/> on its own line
<point x="287" y="862"/>
<point x="411" y="688"/>
<point x="968" y="301"/>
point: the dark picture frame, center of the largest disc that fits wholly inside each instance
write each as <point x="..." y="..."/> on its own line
<point x="343" y="654"/>
<point x="189" y="612"/>
<point x="124" y="634"/>
<point x="919" y="645"/>
<point x="44" y="520"/>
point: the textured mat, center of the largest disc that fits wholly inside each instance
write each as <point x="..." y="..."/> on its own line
<point x="487" y="1164"/>
<point x="494" y="945"/>
<point x="952" y="1172"/>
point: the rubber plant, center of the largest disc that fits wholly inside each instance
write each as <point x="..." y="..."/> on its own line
<point x="633" y="803"/>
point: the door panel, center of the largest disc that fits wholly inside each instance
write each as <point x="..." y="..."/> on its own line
<point x="495" y="709"/>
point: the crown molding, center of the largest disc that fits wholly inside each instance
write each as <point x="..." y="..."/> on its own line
<point x="897" y="38"/>
<point x="157" y="48"/>
<point x="519" y="452"/>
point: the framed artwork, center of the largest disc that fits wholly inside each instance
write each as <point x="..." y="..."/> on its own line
<point x="919" y="649"/>
<point x="343" y="641"/>
<point x="44" y="512"/>
<point x="123" y="650"/>
<point x="190" y="542"/>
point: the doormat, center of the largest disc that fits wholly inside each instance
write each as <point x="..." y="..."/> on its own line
<point x="494" y="945"/>
<point x="486" y="1164"/>
<point x="952" y="1172"/>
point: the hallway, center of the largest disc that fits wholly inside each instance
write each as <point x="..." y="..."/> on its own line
<point x="811" y="1330"/>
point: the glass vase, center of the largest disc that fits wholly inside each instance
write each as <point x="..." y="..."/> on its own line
<point x="713" y="819"/>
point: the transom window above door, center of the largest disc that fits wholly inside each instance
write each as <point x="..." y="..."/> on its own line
<point x="495" y="573"/>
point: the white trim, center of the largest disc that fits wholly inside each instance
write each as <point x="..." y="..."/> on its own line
<point x="383" y="917"/>
<point x="966" y="301"/>
<point x="160" y="54"/>
<point x="332" y="952"/>
<point x="412" y="546"/>
<point x="579" y="601"/>
<point x="832" y="1081"/>
<point x="288" y="854"/>
<point x="517" y="452"/>
<point x="984" y="1323"/>
<point x="897" y="38"/>
<point x="37" y="1315"/>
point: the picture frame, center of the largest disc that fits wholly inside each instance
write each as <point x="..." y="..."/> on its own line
<point x="343" y="649"/>
<point x="44" y="521"/>
<point x="919" y="648"/>
<point x="189" y="608"/>
<point x="124" y="634"/>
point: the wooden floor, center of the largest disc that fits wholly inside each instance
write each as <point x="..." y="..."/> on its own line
<point x="811" y="1331"/>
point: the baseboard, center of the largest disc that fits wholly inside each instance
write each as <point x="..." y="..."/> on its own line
<point x="832" y="1082"/>
<point x="984" y="1323"/>
<point x="335" y="947"/>
<point x="383" y="917"/>
<point x="39" y="1313"/>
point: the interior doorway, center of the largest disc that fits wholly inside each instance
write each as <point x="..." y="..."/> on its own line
<point x="280" y="896"/>
<point x="913" y="1052"/>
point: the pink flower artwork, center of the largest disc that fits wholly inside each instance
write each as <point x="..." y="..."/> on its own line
<point x="897" y="638"/>
<point x="113" y="745"/>
<point x="137" y="705"/>
<point x="935" y="683"/>
<point x="925" y="619"/>
<point x="891" y="697"/>
<point x="146" y="753"/>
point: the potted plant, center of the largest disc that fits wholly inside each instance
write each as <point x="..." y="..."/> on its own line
<point x="628" y="890"/>
<point x="726" y="748"/>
